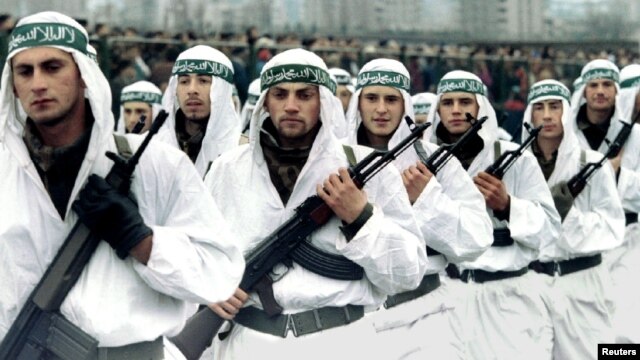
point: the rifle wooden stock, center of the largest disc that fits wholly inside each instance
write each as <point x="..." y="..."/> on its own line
<point x="66" y="267"/>
<point x="199" y="331"/>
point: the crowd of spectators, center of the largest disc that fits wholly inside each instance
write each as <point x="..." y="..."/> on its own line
<point x="127" y="55"/>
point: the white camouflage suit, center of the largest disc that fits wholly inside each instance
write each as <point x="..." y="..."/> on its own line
<point x="504" y="318"/>
<point x="118" y="302"/>
<point x="451" y="214"/>
<point x="388" y="245"/>
<point x="621" y="261"/>
<point x="579" y="303"/>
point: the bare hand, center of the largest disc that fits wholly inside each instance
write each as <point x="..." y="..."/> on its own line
<point x="228" y="309"/>
<point x="615" y="162"/>
<point x="493" y="189"/>
<point x="343" y="196"/>
<point x="415" y="179"/>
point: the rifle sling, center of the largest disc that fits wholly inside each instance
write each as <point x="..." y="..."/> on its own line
<point x="324" y="263"/>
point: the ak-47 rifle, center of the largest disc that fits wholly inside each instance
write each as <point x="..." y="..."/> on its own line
<point x="504" y="162"/>
<point x="39" y="328"/>
<point x="312" y="214"/>
<point x="142" y="121"/>
<point x="441" y="156"/>
<point x="578" y="182"/>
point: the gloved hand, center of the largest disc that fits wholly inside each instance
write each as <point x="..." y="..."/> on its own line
<point x="562" y="198"/>
<point x="111" y="216"/>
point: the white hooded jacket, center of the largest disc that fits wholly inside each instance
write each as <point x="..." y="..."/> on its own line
<point x="596" y="221"/>
<point x="629" y="176"/>
<point x="450" y="210"/>
<point x="223" y="131"/>
<point x="533" y="217"/>
<point x="118" y="302"/>
<point x="388" y="245"/>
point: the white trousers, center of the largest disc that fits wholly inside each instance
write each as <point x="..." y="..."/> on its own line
<point x="504" y="319"/>
<point x="580" y="309"/>
<point x="423" y="328"/>
<point x="624" y="265"/>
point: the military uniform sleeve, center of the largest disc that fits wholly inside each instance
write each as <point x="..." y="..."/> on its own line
<point x="389" y="245"/>
<point x="193" y="257"/>
<point x="453" y="217"/>
<point x="533" y="216"/>
<point x="595" y="222"/>
<point x="629" y="177"/>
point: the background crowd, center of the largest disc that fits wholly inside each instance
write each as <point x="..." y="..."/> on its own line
<point x="127" y="55"/>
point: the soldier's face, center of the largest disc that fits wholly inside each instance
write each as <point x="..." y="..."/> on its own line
<point x="452" y="109"/>
<point x="548" y="113"/>
<point x="295" y="111"/>
<point x="193" y="96"/>
<point x="48" y="84"/>
<point x="600" y="94"/>
<point x="133" y="110"/>
<point x="381" y="109"/>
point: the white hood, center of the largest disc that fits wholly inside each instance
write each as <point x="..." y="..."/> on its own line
<point x="463" y="81"/>
<point x="222" y="131"/>
<point x="59" y="31"/>
<point x="142" y="91"/>
<point x="381" y="72"/>
<point x="629" y="87"/>
<point x="343" y="78"/>
<point x="422" y="102"/>
<point x="598" y="69"/>
<point x="252" y="98"/>
<point x="297" y="65"/>
<point x="554" y="90"/>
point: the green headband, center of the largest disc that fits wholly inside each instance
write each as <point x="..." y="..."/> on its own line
<point x="343" y="80"/>
<point x="464" y="85"/>
<point x="539" y="91"/>
<point x="252" y="99"/>
<point x="600" y="73"/>
<point x="203" y="67"/>
<point x="383" y="78"/>
<point x="421" y="108"/>
<point x="148" y="97"/>
<point x="307" y="74"/>
<point x="629" y="83"/>
<point x="47" y="34"/>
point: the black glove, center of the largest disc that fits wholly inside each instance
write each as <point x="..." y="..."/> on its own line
<point x="111" y="216"/>
<point x="562" y="198"/>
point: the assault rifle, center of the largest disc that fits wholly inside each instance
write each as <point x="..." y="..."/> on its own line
<point x="39" y="327"/>
<point x="578" y="182"/>
<point x="504" y="162"/>
<point x="441" y="156"/>
<point x="137" y="128"/>
<point x="312" y="214"/>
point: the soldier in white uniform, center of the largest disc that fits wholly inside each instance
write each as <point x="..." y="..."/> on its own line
<point x="158" y="256"/>
<point x="293" y="154"/>
<point x="503" y="315"/>
<point x="575" y="281"/>
<point x="448" y="207"/>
